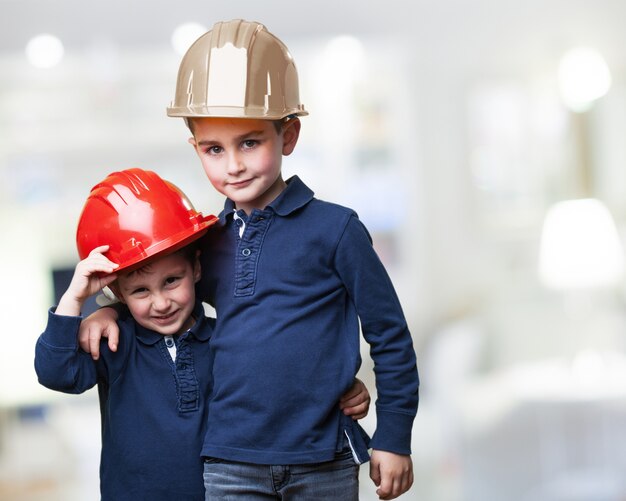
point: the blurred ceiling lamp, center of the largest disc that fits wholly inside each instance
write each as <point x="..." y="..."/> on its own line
<point x="344" y="59"/>
<point x="580" y="247"/>
<point x="186" y="34"/>
<point x="583" y="77"/>
<point x="44" y="51"/>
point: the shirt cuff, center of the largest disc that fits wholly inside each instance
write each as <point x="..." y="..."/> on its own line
<point x="393" y="432"/>
<point x="62" y="330"/>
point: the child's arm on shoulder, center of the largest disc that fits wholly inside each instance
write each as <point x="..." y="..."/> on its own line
<point x="392" y="473"/>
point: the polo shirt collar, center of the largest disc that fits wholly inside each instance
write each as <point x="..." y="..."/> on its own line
<point x="295" y="195"/>
<point x="150" y="337"/>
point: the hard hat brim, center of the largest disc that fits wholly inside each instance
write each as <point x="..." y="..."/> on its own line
<point x="165" y="247"/>
<point x="231" y="112"/>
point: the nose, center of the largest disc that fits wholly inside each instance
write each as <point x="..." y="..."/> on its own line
<point x="235" y="164"/>
<point x="160" y="302"/>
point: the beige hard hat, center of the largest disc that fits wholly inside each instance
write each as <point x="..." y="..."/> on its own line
<point x="240" y="70"/>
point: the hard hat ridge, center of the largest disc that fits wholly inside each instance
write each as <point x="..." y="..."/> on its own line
<point x="237" y="32"/>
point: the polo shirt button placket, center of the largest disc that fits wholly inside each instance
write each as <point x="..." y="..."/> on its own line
<point x="251" y="231"/>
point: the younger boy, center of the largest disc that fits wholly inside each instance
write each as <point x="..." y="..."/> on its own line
<point x="293" y="280"/>
<point x="153" y="391"/>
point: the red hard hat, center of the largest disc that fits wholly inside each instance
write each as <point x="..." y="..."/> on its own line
<point x="138" y="215"/>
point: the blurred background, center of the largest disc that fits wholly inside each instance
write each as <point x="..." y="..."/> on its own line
<point x="483" y="143"/>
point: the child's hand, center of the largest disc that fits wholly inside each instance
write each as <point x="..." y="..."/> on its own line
<point x="101" y="323"/>
<point x="356" y="401"/>
<point x="88" y="279"/>
<point x="392" y="473"/>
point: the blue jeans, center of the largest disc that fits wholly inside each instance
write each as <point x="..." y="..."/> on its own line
<point x="332" y="480"/>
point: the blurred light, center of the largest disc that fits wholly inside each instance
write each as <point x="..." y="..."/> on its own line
<point x="345" y="54"/>
<point x="44" y="51"/>
<point x="580" y="246"/>
<point x="346" y="46"/>
<point x="342" y="63"/>
<point x="338" y="69"/>
<point x="583" y="77"/>
<point x="589" y="369"/>
<point x="185" y="35"/>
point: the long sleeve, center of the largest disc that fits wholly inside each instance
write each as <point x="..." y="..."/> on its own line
<point x="60" y="364"/>
<point x="384" y="328"/>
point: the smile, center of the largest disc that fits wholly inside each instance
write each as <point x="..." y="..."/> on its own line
<point x="240" y="184"/>
<point x="164" y="319"/>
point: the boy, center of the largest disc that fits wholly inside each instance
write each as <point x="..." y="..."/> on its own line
<point x="293" y="280"/>
<point x="153" y="391"/>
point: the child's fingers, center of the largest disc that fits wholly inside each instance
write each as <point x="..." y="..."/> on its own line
<point x="348" y="401"/>
<point x="356" y="405"/>
<point x="354" y="397"/>
<point x="99" y="250"/>
<point x="97" y="256"/>
<point x="107" y="280"/>
<point x="114" y="336"/>
<point x="93" y="341"/>
<point x="389" y="487"/>
<point x="357" y="388"/>
<point x="391" y="473"/>
<point x="98" y="263"/>
<point x="356" y="411"/>
<point x="395" y="486"/>
<point x="361" y="398"/>
<point x="375" y="473"/>
<point x="407" y="482"/>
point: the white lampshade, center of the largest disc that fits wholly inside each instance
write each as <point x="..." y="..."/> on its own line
<point x="580" y="247"/>
<point x="584" y="77"/>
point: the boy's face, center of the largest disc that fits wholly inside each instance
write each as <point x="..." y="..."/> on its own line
<point x="161" y="295"/>
<point x="242" y="157"/>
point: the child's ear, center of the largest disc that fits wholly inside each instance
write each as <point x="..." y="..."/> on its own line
<point x="192" y="141"/>
<point x="291" y="132"/>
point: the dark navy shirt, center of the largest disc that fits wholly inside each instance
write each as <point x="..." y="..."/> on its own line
<point x="153" y="409"/>
<point x="290" y="295"/>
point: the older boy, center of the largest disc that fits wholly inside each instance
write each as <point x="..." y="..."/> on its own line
<point x="294" y="279"/>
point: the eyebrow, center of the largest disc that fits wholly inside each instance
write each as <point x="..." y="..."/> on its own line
<point x="241" y="137"/>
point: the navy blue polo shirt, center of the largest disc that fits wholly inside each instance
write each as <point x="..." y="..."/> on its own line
<point x="153" y="409"/>
<point x="290" y="295"/>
